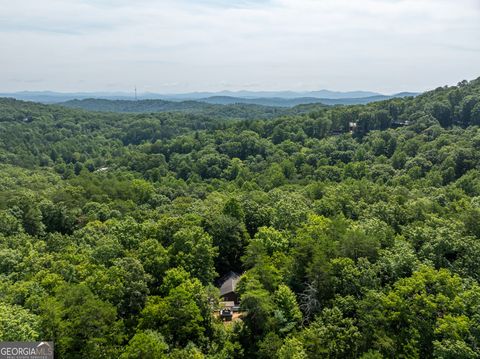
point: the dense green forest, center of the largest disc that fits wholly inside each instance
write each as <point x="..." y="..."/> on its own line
<point x="115" y="227"/>
<point x="219" y="111"/>
<point x="233" y="107"/>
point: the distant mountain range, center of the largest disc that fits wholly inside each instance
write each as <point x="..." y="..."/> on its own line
<point x="216" y="103"/>
<point x="267" y="94"/>
<point x="50" y="97"/>
<point x="291" y="102"/>
<point x="263" y="98"/>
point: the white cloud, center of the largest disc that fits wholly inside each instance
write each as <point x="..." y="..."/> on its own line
<point x="385" y="45"/>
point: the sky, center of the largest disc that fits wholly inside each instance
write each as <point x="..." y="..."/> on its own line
<point x="211" y="45"/>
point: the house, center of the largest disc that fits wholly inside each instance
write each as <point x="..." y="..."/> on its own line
<point x="397" y="124"/>
<point x="229" y="305"/>
<point x="352" y="126"/>
<point x="228" y="284"/>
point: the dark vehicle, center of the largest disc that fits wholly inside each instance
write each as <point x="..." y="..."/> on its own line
<point x="226" y="314"/>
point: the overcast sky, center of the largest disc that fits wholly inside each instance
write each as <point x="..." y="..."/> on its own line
<point x="186" y="45"/>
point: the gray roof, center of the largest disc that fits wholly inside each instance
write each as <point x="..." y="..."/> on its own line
<point x="229" y="284"/>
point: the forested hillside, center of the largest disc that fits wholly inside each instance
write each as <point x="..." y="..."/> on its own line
<point x="115" y="227"/>
<point x="233" y="110"/>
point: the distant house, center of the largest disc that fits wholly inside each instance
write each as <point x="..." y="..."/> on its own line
<point x="352" y="126"/>
<point x="102" y="169"/>
<point x="228" y="284"/>
<point x="397" y="124"/>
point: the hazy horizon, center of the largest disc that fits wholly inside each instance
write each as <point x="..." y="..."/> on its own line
<point x="240" y="91"/>
<point x="166" y="47"/>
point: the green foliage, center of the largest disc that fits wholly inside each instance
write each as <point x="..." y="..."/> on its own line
<point x="271" y="240"/>
<point x="18" y="324"/>
<point x="115" y="228"/>
<point x="178" y="316"/>
<point x="80" y="324"/>
<point x="287" y="312"/>
<point x="331" y="335"/>
<point x="292" y="349"/>
<point x="422" y="314"/>
<point x="193" y="250"/>
<point x="258" y="305"/>
<point x="146" y="345"/>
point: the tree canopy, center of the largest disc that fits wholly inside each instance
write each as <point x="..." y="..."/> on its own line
<point x="115" y="227"/>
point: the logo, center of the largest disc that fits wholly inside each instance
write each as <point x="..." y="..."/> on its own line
<point x="26" y="350"/>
